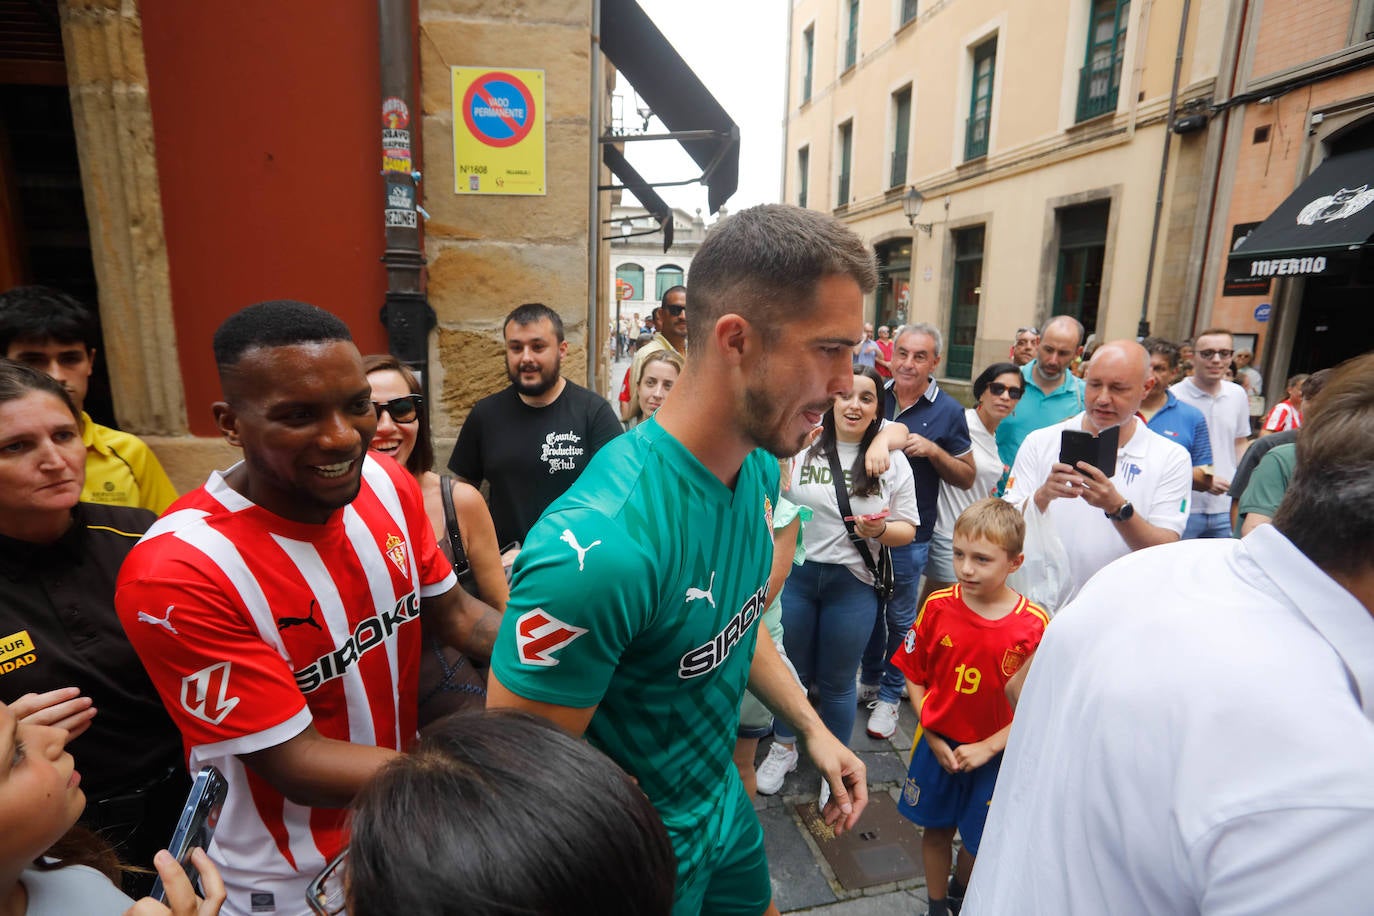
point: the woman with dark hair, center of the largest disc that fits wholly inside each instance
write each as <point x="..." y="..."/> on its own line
<point x="501" y="814"/>
<point x="59" y="559"/>
<point x="447" y="682"/>
<point x="996" y="390"/>
<point x="829" y="603"/>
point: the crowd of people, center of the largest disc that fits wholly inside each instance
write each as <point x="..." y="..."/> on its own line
<point x="394" y="672"/>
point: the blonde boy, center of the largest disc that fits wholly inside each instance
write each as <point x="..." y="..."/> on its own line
<point x="968" y="641"/>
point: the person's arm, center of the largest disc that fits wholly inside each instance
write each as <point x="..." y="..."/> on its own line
<point x="891" y="438"/>
<point x="772" y="682"/>
<point x="784" y="549"/>
<point x="1098" y="491"/>
<point x="1018" y="681"/>
<point x="976" y="753"/>
<point x="479" y="543"/>
<point x="1252" y="521"/>
<point x="572" y="720"/>
<point x="315" y="771"/>
<point x="464" y="622"/>
<point x="955" y="470"/>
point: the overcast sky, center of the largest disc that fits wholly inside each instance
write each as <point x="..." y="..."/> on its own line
<point x="738" y="49"/>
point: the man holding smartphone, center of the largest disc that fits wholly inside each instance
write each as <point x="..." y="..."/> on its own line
<point x="1100" y="518"/>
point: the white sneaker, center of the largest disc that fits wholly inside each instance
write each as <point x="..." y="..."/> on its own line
<point x="825" y="795"/>
<point x="867" y="693"/>
<point x="780" y="761"/>
<point x="883" y="722"/>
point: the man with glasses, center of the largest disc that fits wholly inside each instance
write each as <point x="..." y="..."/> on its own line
<point x="532" y="439"/>
<point x="277" y="608"/>
<point x="671" y="320"/>
<point x="1053" y="393"/>
<point x="1023" y="349"/>
<point x="1168" y="416"/>
<point x="1227" y="411"/>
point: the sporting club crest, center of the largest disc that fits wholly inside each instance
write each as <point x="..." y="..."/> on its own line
<point x="396" y="549"/>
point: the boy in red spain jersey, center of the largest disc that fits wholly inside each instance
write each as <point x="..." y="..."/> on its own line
<point x="968" y="641"/>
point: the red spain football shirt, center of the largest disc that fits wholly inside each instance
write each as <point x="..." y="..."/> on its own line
<point x="964" y="661"/>
<point x="253" y="627"/>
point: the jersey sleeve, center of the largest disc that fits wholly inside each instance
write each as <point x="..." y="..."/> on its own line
<point x="625" y="386"/>
<point x="581" y="595"/>
<point x="466" y="460"/>
<point x="1173" y="493"/>
<point x="220" y="682"/>
<point x="911" y="657"/>
<point x="1267" y="485"/>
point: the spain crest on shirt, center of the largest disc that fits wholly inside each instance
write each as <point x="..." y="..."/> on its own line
<point x="1013" y="659"/>
<point x="396" y="549"/>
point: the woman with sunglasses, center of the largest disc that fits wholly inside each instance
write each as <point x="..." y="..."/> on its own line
<point x="446" y="682"/>
<point x="996" y="391"/>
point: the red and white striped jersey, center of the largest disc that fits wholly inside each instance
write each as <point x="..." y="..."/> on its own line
<point x="1284" y="416"/>
<point x="253" y="627"/>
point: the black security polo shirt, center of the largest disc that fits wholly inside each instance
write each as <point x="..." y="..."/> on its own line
<point x="58" y="628"/>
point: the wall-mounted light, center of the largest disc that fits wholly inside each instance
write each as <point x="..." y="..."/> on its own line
<point x="911" y="208"/>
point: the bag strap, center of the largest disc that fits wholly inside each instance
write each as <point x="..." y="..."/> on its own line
<point x="455" y="537"/>
<point x="846" y="513"/>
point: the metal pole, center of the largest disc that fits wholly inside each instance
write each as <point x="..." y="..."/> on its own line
<point x="594" y="207"/>
<point x="406" y="312"/>
<point x="1143" y="329"/>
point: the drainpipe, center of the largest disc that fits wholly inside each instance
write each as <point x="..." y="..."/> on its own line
<point x="594" y="208"/>
<point x="1143" y="329"/>
<point x="406" y="313"/>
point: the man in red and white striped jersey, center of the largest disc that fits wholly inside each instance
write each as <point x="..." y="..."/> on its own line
<point x="277" y="607"/>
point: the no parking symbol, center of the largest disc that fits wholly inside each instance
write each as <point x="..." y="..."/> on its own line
<point x="498" y="136"/>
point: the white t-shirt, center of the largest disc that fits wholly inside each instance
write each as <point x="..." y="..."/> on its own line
<point x="73" y="889"/>
<point x="987" y="470"/>
<point x="1153" y="472"/>
<point x="825" y="536"/>
<point x="1228" y="419"/>
<point x="1206" y="755"/>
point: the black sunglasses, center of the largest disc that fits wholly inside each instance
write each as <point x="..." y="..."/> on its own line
<point x="675" y="309"/>
<point x="402" y="410"/>
<point x="998" y="389"/>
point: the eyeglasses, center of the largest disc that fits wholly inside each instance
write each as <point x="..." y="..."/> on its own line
<point x="326" y="895"/>
<point x="1020" y="331"/>
<point x="1216" y="354"/>
<point x="402" y="410"/>
<point x="998" y="389"/>
<point x="675" y="309"/>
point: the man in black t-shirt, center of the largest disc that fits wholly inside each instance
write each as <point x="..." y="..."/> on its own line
<point x="531" y="440"/>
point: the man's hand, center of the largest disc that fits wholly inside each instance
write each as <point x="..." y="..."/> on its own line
<point x="878" y="458"/>
<point x="971" y="756"/>
<point x="847" y="775"/>
<point x="918" y="446"/>
<point x="1097" y="490"/>
<point x="64" y="707"/>
<point x="1219" y="486"/>
<point x="1063" y="483"/>
<point x="944" y="754"/>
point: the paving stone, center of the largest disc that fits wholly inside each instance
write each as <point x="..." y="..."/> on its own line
<point x="799" y="882"/>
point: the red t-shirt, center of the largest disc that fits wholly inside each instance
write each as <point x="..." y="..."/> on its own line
<point x="253" y="627"/>
<point x="885" y="348"/>
<point x="964" y="661"/>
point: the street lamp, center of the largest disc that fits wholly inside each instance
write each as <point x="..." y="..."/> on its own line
<point x="911" y="208"/>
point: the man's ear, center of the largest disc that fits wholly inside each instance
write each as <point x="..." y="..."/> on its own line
<point x="227" y="422"/>
<point x="562" y="348"/>
<point x="734" y="336"/>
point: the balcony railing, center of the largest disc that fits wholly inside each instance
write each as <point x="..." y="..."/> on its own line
<point x="842" y="194"/>
<point x="898" y="168"/>
<point x="1097" y="89"/>
<point x="976" y="138"/>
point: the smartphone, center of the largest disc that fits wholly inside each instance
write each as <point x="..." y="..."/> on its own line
<point x="1100" y="451"/>
<point x="196" y="825"/>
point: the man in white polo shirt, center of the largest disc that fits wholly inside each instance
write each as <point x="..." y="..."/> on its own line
<point x="1210" y="755"/>
<point x="1097" y="518"/>
<point x="1227" y="410"/>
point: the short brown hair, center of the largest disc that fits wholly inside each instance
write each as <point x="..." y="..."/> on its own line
<point x="765" y="263"/>
<point x="1212" y="331"/>
<point x="1328" y="510"/>
<point x="995" y="521"/>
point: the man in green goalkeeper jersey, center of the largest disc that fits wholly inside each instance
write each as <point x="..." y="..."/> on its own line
<point x="634" y="614"/>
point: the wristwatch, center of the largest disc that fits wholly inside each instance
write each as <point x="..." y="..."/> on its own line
<point x="1123" y="514"/>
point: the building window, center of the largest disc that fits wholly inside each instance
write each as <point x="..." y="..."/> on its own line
<point x="980" y="101"/>
<point x="963" y="312"/>
<point x="901" y="131"/>
<point x="808" y="60"/>
<point x="803" y="174"/>
<point x="1100" y="79"/>
<point x="1082" y="252"/>
<point x="846" y="154"/>
<point x="667" y="276"/>
<point x="892" y="297"/>
<point x="908" y="11"/>
<point x="851" y="44"/>
<point x="633" y="275"/>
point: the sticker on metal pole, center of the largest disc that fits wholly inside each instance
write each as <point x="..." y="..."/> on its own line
<point x="498" y="131"/>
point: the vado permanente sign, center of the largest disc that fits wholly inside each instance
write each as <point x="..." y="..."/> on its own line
<point x="498" y="131"/>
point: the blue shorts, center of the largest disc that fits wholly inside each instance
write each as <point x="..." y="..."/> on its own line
<point x="933" y="797"/>
<point x="732" y="878"/>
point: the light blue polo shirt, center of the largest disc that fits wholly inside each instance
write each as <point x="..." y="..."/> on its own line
<point x="1036" y="410"/>
<point x="1184" y="424"/>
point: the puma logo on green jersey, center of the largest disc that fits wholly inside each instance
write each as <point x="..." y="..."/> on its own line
<point x="709" y="656"/>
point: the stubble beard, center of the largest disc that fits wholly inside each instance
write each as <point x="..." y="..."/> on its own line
<point x="547" y="379"/>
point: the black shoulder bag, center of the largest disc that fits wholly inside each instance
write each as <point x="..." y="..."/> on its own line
<point x="881" y="569"/>
<point x="461" y="567"/>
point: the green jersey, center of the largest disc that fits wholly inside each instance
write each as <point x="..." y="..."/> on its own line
<point x="639" y="591"/>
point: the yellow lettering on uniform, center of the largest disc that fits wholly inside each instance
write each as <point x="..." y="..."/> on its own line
<point x="15" y="644"/>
